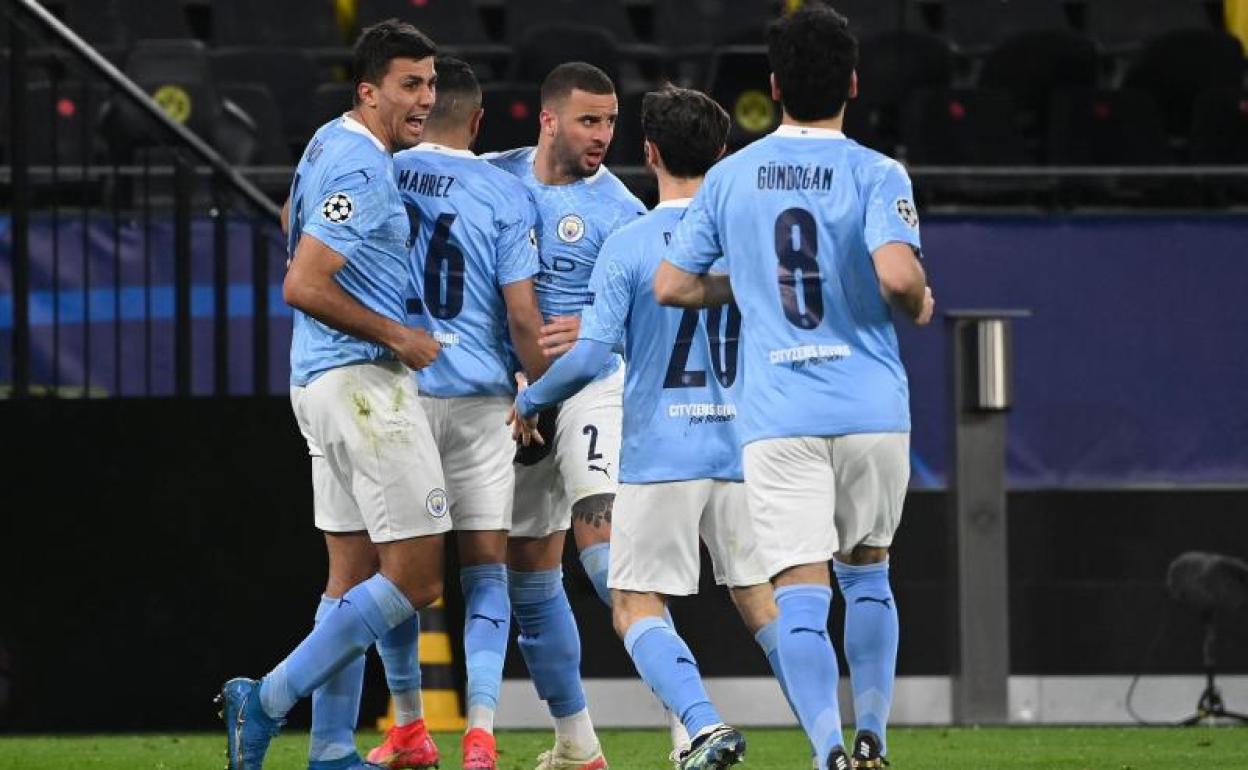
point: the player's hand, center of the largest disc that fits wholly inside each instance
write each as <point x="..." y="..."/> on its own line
<point x="559" y="335"/>
<point x="415" y="348"/>
<point x="929" y="306"/>
<point x="523" y="429"/>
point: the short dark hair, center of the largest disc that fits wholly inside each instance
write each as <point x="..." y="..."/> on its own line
<point x="459" y="93"/>
<point x="688" y="127"/>
<point x="379" y="44"/>
<point x="813" y="56"/>
<point x="578" y="75"/>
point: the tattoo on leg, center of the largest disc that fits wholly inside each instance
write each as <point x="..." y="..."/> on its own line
<point x="594" y="510"/>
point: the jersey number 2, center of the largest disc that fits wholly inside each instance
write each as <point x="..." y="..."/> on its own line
<point x="797" y="245"/>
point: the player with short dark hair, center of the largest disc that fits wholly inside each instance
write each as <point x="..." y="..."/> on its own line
<point x="378" y="489"/>
<point x="820" y="236"/>
<point x="473" y="259"/>
<point x="579" y="204"/>
<point x="680" y="392"/>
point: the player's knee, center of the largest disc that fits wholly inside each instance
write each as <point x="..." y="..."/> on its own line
<point x="591" y="520"/>
<point x="424" y="594"/>
<point x="756" y="605"/>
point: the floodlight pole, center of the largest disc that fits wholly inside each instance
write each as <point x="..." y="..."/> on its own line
<point x="983" y="393"/>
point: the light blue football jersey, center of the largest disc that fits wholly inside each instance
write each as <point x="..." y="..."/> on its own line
<point x="574" y="220"/>
<point x="683" y="376"/>
<point x="797" y="215"/>
<point x="476" y="235"/>
<point x="344" y="195"/>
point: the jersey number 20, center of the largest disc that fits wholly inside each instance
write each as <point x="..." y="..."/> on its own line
<point x="723" y="327"/>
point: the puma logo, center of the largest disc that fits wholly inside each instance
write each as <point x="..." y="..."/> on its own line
<point x="887" y="602"/>
<point x="498" y="622"/>
<point x="605" y="471"/>
<point x="682" y="659"/>
<point x="800" y="629"/>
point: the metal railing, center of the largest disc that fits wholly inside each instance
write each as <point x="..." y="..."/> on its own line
<point x="125" y="235"/>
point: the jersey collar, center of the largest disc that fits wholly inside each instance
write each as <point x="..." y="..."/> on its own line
<point x="443" y="150"/>
<point x="351" y="124"/>
<point x="675" y="203"/>
<point x="804" y="132"/>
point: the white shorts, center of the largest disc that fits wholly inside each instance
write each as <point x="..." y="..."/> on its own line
<point x="374" y="463"/>
<point x="655" y="530"/>
<point x="583" y="462"/>
<point x="475" y="443"/>
<point x="811" y="497"/>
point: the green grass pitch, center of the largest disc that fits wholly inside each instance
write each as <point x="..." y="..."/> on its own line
<point x="1042" y="748"/>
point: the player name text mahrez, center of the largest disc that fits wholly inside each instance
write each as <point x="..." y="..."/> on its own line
<point x="430" y="185"/>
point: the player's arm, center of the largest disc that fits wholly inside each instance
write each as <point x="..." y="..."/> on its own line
<point x="565" y="377"/>
<point x="286" y="217"/>
<point x="675" y="286"/>
<point x="310" y="287"/>
<point x="903" y="281"/>
<point x="524" y="319"/>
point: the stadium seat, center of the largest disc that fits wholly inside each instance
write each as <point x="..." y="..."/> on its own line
<point x="1219" y="132"/>
<point x="1120" y="25"/>
<point x="890" y="67"/>
<point x="58" y="116"/>
<point x="868" y="18"/>
<point x="626" y="146"/>
<point x="257" y="103"/>
<point x="739" y="80"/>
<point x="454" y="25"/>
<point x="306" y="24"/>
<point x="863" y="127"/>
<point x="687" y="30"/>
<point x="975" y="26"/>
<point x="1178" y="65"/>
<point x="962" y="128"/>
<point x="542" y="48"/>
<point x="510" y="121"/>
<point x="176" y="73"/>
<point x="330" y="101"/>
<point x="1088" y="126"/>
<point x="610" y="15"/>
<point x="290" y="74"/>
<point x="1030" y="65"/>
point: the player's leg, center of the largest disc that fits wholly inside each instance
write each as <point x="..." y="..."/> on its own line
<point x="729" y="536"/>
<point x="336" y="704"/>
<point x="549" y="639"/>
<point x="872" y="471"/>
<point x="655" y="555"/>
<point x="367" y="420"/>
<point x="791" y="492"/>
<point x="589" y="430"/>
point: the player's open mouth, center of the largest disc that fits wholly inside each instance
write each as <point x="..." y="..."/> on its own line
<point x="416" y="122"/>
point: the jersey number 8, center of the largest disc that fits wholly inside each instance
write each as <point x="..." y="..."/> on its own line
<point x="797" y="245"/>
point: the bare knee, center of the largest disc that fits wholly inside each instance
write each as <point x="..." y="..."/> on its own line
<point x="535" y="554"/>
<point x="803" y="574"/>
<point x="756" y="604"/>
<point x="628" y="607"/>
<point x="863" y="554"/>
<point x="481" y="547"/>
<point x="591" y="520"/>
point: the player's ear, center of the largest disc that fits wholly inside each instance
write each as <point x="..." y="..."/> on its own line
<point x="653" y="158"/>
<point x="775" y="88"/>
<point x="853" y="85"/>
<point x="474" y="125"/>
<point x="365" y="94"/>
<point x="548" y="121"/>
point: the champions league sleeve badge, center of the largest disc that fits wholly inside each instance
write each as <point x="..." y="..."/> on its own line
<point x="337" y="208"/>
<point x="571" y="228"/>
<point x="907" y="213"/>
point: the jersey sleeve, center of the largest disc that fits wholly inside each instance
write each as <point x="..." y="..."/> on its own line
<point x="351" y="208"/>
<point x="891" y="214"/>
<point x="611" y="285"/>
<point x="517" y="241"/>
<point x="695" y="243"/>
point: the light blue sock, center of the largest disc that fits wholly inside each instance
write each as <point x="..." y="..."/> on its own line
<point x="549" y="639"/>
<point x="487" y="625"/>
<point x="666" y="664"/>
<point x="367" y="611"/>
<point x="335" y="705"/>
<point x="399" y="650"/>
<point x="596" y="559"/>
<point x="767" y="639"/>
<point x="871" y="633"/>
<point x="803" y="645"/>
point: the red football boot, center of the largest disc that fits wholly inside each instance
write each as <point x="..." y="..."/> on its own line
<point x="406" y="748"/>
